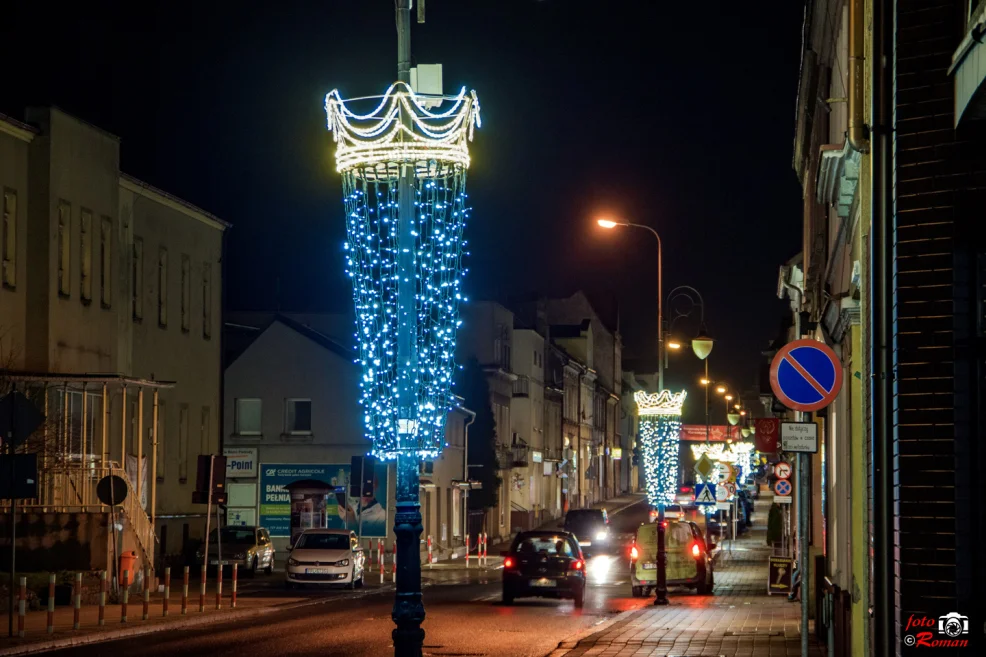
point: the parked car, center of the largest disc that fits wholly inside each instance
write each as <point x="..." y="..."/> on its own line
<point x="326" y="556"/>
<point x="591" y="526"/>
<point x="544" y="564"/>
<point x="688" y="558"/>
<point x="249" y="548"/>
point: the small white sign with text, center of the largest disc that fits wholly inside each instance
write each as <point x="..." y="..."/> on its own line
<point x="799" y="437"/>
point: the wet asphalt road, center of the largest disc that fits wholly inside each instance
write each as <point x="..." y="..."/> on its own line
<point x="464" y="618"/>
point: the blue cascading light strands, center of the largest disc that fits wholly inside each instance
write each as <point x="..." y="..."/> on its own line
<point x="660" y="430"/>
<point x="403" y="144"/>
<point x="372" y="212"/>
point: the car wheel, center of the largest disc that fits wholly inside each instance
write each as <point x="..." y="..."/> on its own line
<point x="253" y="567"/>
<point x="359" y="582"/>
<point x="508" y="597"/>
<point x="580" y="598"/>
<point x="352" y="580"/>
<point x="638" y="591"/>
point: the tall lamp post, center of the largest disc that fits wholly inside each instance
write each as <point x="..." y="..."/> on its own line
<point x="403" y="169"/>
<point x="610" y="224"/>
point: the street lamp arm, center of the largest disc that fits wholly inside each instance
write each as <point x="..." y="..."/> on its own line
<point x="683" y="291"/>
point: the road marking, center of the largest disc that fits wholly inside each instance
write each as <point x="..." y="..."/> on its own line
<point x="487" y="598"/>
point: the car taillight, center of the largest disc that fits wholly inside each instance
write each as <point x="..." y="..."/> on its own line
<point x="634" y="554"/>
<point x="696" y="550"/>
<point x="665" y="524"/>
<point x="508" y="562"/>
<point x="578" y="564"/>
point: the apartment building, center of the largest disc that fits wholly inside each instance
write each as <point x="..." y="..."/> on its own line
<point x="110" y="310"/>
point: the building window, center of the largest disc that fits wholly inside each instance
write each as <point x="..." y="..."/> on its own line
<point x="186" y="292"/>
<point x="206" y="443"/>
<point x="162" y="441"/>
<point x="64" y="248"/>
<point x="207" y="300"/>
<point x="183" y="444"/>
<point x="162" y="288"/>
<point x="248" y="416"/>
<point x="298" y="416"/>
<point x="85" y="254"/>
<point x="138" y="279"/>
<point x="8" y="239"/>
<point x="105" y="262"/>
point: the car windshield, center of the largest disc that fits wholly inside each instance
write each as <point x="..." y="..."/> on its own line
<point x="322" y="542"/>
<point x="234" y="535"/>
<point x="552" y="545"/>
<point x="587" y="518"/>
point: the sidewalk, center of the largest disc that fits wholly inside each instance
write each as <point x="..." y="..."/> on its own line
<point x="740" y="620"/>
<point x="250" y="602"/>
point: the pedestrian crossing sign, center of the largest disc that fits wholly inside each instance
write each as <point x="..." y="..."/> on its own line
<point x="705" y="494"/>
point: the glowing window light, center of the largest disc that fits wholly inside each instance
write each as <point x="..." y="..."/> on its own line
<point x="373" y="152"/>
<point x="660" y="428"/>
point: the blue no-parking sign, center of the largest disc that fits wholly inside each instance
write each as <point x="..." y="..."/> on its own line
<point x="806" y="375"/>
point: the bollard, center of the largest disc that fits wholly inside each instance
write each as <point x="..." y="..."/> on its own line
<point x="167" y="591"/>
<point x="126" y="596"/>
<point x="219" y="586"/>
<point x="431" y="559"/>
<point x="102" y="598"/>
<point x="51" y="604"/>
<point x="380" y="553"/>
<point x="232" y="599"/>
<point x="76" y="601"/>
<point x="202" y="591"/>
<point x="383" y="571"/>
<point x="22" y="608"/>
<point x="485" y="545"/>
<point x="393" y="570"/>
<point x="147" y="594"/>
<point x="184" y="592"/>
<point x="467" y="550"/>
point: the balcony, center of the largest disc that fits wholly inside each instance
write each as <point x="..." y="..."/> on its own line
<point x="969" y="67"/>
<point x="522" y="387"/>
<point x="520" y="456"/>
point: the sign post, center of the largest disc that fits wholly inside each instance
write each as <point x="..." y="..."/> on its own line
<point x="805" y="375"/>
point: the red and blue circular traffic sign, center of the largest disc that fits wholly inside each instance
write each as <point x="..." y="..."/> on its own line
<point x="806" y="375"/>
<point x="782" y="487"/>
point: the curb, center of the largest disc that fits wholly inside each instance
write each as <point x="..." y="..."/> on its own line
<point x="114" y="635"/>
<point x="572" y="642"/>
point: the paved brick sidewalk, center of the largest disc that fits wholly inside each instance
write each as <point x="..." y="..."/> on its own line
<point x="740" y="620"/>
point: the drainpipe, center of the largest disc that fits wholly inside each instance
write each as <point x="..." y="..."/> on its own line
<point x="858" y="136"/>
<point x="881" y="318"/>
<point x="465" y="474"/>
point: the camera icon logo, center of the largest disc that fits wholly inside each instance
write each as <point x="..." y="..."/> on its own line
<point x="953" y="624"/>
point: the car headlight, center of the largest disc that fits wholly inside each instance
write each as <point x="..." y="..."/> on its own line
<point x="344" y="562"/>
<point x="293" y="562"/>
<point x="600" y="536"/>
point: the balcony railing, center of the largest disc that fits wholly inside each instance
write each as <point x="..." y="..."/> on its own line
<point x="522" y="387"/>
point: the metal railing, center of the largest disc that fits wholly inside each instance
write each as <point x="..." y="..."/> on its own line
<point x="72" y="488"/>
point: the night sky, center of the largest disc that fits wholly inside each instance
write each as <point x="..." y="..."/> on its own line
<point x="678" y="115"/>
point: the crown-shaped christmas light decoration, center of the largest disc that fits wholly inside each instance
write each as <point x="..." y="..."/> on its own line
<point x="659" y="403"/>
<point x="378" y="140"/>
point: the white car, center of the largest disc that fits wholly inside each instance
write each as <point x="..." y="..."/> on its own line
<point x="325" y="556"/>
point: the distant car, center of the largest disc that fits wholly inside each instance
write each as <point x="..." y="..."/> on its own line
<point x="591" y="526"/>
<point x="249" y="548"/>
<point x="326" y="556"/>
<point x="544" y="564"/>
<point x="689" y="562"/>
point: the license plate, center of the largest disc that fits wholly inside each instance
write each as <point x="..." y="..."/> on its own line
<point x="216" y="563"/>
<point x="317" y="571"/>
<point x="585" y="542"/>
<point x="650" y="566"/>
<point x="543" y="582"/>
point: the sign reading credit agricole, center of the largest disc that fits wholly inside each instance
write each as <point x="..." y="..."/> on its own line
<point x="241" y="461"/>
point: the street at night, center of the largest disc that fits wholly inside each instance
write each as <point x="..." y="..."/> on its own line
<point x="540" y="328"/>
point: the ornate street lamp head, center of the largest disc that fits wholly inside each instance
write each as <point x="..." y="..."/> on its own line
<point x="702" y="344"/>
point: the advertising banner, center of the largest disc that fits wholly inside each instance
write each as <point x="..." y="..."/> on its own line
<point x="240" y="461"/>
<point x="275" y="500"/>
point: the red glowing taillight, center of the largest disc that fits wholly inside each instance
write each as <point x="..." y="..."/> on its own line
<point x="508" y="562"/>
<point x="696" y="550"/>
<point x="634" y="554"/>
<point x="665" y="524"/>
<point x="578" y="564"/>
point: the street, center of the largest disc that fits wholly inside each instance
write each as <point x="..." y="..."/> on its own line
<point x="464" y="617"/>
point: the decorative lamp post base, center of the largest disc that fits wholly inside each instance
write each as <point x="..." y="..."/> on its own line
<point x="409" y="609"/>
